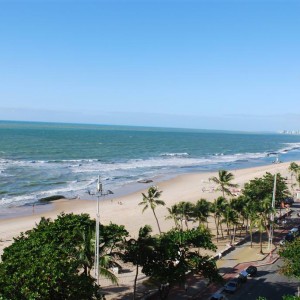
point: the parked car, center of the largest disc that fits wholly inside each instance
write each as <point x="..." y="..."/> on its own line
<point x="251" y="270"/>
<point x="232" y="285"/>
<point x="243" y="276"/>
<point x="289" y="237"/>
<point x="218" y="296"/>
<point x="288" y="200"/>
<point x="294" y="231"/>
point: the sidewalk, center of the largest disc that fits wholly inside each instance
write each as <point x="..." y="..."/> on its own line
<point x="238" y="259"/>
<point x="233" y="260"/>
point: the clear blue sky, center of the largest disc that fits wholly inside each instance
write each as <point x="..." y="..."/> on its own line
<point x="195" y="64"/>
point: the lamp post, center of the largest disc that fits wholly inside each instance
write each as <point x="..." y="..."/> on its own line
<point x="272" y="215"/>
<point x="99" y="194"/>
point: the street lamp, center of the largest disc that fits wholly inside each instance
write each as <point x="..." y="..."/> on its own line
<point x="272" y="215"/>
<point x="99" y="194"/>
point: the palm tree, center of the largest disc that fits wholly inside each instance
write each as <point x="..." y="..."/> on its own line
<point x="152" y="200"/>
<point x="173" y="214"/>
<point x="138" y="251"/>
<point x="294" y="169"/>
<point x="223" y="180"/>
<point x="86" y="254"/>
<point x="185" y="210"/>
<point x="201" y="211"/>
<point x="217" y="208"/>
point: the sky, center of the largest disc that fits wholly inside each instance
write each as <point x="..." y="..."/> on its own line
<point x="232" y="65"/>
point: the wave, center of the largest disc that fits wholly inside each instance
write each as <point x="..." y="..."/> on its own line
<point x="74" y="177"/>
<point x="290" y="147"/>
<point x="175" y="154"/>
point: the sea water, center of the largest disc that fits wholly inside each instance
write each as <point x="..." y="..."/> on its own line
<point x="39" y="160"/>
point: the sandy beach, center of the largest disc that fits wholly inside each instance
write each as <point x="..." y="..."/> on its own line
<point x="126" y="211"/>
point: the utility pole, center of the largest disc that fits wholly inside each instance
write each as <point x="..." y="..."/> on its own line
<point x="99" y="194"/>
<point x="272" y="215"/>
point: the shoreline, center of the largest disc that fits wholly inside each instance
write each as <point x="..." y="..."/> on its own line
<point x="124" y="210"/>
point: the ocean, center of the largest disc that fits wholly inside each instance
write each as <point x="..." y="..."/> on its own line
<point x="39" y="160"/>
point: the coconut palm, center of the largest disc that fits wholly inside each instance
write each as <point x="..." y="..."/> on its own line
<point x="152" y="200"/>
<point x="294" y="169"/>
<point x="185" y="212"/>
<point x="173" y="214"/>
<point x="217" y="208"/>
<point x="224" y="181"/>
<point x="201" y="211"/>
<point x="138" y="250"/>
<point x="86" y="254"/>
<point x="230" y="218"/>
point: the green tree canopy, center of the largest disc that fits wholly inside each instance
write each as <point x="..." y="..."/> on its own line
<point x="262" y="188"/>
<point x="52" y="261"/>
<point x="291" y="258"/>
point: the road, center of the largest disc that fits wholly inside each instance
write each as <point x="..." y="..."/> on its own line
<point x="269" y="282"/>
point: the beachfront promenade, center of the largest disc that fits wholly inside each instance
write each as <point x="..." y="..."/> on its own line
<point x="239" y="258"/>
<point x="234" y="259"/>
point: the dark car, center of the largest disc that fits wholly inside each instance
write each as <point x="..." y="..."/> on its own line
<point x="289" y="237"/>
<point x="288" y="200"/>
<point x="251" y="270"/>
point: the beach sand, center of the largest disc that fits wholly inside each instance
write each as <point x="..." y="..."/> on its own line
<point x="126" y="211"/>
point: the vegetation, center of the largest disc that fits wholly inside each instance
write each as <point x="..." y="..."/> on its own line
<point x="224" y="182"/>
<point x="54" y="260"/>
<point x="152" y="200"/>
<point x="295" y="171"/>
<point x="168" y="258"/>
<point x="139" y="251"/>
<point x="259" y="189"/>
<point x="290" y="255"/>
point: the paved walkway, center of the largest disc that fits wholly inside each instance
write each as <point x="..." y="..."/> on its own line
<point x="234" y="260"/>
<point x="231" y="264"/>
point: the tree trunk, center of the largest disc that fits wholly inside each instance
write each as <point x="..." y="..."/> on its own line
<point x="234" y="232"/>
<point x="135" y="280"/>
<point x="217" y="229"/>
<point x="156" y="221"/>
<point x="221" y="230"/>
<point x="260" y="241"/>
<point x="251" y="237"/>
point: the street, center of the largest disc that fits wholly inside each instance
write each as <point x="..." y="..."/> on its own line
<point x="268" y="283"/>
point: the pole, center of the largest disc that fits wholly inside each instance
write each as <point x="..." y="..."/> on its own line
<point x="272" y="215"/>
<point x="99" y="193"/>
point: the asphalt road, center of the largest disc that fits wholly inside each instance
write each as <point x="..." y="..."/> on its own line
<point x="269" y="282"/>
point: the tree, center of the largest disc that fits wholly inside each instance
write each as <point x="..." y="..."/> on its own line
<point x="261" y="188"/>
<point x="173" y="214"/>
<point x="291" y="259"/>
<point x="185" y="212"/>
<point x="139" y="251"/>
<point x="201" y="211"/>
<point x="47" y="261"/>
<point x="294" y="169"/>
<point x="54" y="259"/>
<point x="217" y="208"/>
<point x="224" y="181"/>
<point x="152" y="200"/>
<point x="174" y="256"/>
